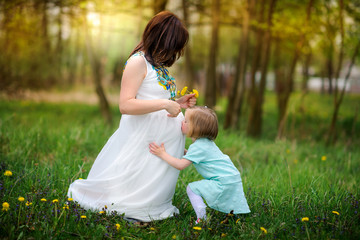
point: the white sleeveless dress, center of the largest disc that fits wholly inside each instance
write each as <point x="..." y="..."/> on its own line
<point x="125" y="176"/>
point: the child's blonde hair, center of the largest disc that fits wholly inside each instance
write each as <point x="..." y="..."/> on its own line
<point x="203" y="122"/>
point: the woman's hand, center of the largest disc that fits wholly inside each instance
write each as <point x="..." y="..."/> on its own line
<point x="187" y="101"/>
<point x="173" y="108"/>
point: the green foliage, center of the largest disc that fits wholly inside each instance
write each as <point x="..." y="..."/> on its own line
<point x="47" y="146"/>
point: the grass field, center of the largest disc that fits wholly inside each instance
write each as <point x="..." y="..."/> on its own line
<point x="296" y="189"/>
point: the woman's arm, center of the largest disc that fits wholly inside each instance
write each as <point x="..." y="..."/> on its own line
<point x="133" y="76"/>
<point x="177" y="163"/>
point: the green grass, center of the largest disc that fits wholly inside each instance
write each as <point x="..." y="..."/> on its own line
<point x="46" y="146"/>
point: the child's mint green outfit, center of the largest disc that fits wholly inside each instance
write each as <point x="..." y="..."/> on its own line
<point x="222" y="187"/>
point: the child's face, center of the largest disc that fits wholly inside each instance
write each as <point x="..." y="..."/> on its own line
<point x="185" y="124"/>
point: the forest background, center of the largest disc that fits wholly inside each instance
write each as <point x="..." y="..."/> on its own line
<point x="237" y="51"/>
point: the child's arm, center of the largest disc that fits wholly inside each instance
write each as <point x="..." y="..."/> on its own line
<point x="177" y="163"/>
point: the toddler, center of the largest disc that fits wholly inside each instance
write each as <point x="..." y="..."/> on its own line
<point x="222" y="187"/>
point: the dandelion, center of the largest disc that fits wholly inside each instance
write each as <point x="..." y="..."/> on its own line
<point x="66" y="206"/>
<point x="28" y="203"/>
<point x="335" y="212"/>
<point x="105" y="207"/>
<point x="305" y="219"/>
<point x="5" y="206"/>
<point x="173" y="237"/>
<point x="101" y="212"/>
<point x="83" y="216"/>
<point x="223" y="235"/>
<point x="70" y="199"/>
<point x="152" y="229"/>
<point x="21" y="199"/>
<point x="263" y="230"/>
<point x="197" y="228"/>
<point x="196" y="93"/>
<point x="80" y="178"/>
<point x="323" y="158"/>
<point x="117" y="226"/>
<point x="183" y="91"/>
<point x="43" y="200"/>
<point x="8" y="173"/>
<point x="55" y="201"/>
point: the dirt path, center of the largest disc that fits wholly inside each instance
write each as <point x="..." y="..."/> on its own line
<point x="59" y="97"/>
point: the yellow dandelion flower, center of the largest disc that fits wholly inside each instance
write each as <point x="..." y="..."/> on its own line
<point x="152" y="229"/>
<point x="196" y="93"/>
<point x="105" y="207"/>
<point x="335" y="212"/>
<point x="28" y="203"/>
<point x="55" y="201"/>
<point x="8" y="173"/>
<point x="83" y="216"/>
<point x="5" y="206"/>
<point x="263" y="230"/>
<point x="173" y="237"/>
<point x="43" y="200"/>
<point x="305" y="219"/>
<point x="21" y="199"/>
<point x="70" y="199"/>
<point x="323" y="158"/>
<point x="223" y="235"/>
<point x="66" y="206"/>
<point x="80" y="178"/>
<point x="197" y="228"/>
<point x="117" y="226"/>
<point x="101" y="212"/>
<point x="183" y="91"/>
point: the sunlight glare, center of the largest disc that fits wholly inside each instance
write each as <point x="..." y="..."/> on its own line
<point x="94" y="19"/>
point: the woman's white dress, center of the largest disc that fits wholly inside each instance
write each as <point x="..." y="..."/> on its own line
<point x="125" y="176"/>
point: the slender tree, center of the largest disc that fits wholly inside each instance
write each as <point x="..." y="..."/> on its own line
<point x="237" y="91"/>
<point x="159" y="5"/>
<point x="189" y="72"/>
<point x="210" y="90"/>
<point x="97" y="69"/>
<point x="257" y="90"/>
<point x="285" y="91"/>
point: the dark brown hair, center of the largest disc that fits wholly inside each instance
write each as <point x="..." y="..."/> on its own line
<point x="203" y="122"/>
<point x="163" y="40"/>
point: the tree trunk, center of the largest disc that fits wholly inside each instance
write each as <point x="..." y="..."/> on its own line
<point x="189" y="72"/>
<point x="210" y="90"/>
<point x="139" y="29"/>
<point x="255" y="116"/>
<point x="59" y="43"/>
<point x="96" y="67"/>
<point x="237" y="90"/>
<point x="289" y="82"/>
<point x="280" y="84"/>
<point x="338" y="99"/>
<point x="159" y="5"/>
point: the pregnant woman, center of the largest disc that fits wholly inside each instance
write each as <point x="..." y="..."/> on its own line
<point x="125" y="176"/>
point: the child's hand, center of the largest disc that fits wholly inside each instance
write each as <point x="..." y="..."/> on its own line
<point x="157" y="150"/>
<point x="187" y="101"/>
